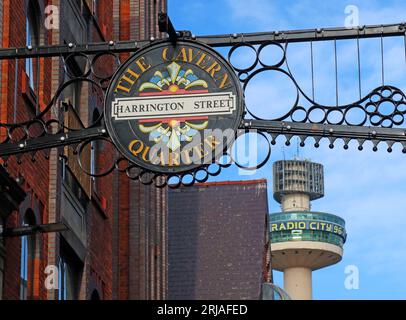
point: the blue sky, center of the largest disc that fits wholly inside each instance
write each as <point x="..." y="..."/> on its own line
<point x="366" y="188"/>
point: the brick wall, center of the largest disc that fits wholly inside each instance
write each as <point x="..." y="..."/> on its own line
<point x="217" y="240"/>
<point x="14" y="108"/>
<point x="139" y="230"/>
<point x="126" y="230"/>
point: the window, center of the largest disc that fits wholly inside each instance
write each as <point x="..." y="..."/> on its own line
<point x="74" y="185"/>
<point x="70" y="272"/>
<point x="32" y="37"/>
<point x="62" y="279"/>
<point x="27" y="258"/>
<point x="24" y="268"/>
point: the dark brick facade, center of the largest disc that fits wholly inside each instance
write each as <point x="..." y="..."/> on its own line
<point x="139" y="231"/>
<point x="119" y="245"/>
<point x="218" y="240"/>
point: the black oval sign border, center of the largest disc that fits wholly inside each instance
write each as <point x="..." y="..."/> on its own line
<point x="109" y="97"/>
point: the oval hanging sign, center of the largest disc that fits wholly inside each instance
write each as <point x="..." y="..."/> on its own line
<point x="171" y="109"/>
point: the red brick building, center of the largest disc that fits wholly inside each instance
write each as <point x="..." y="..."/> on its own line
<point x="116" y="245"/>
<point x="218" y="241"/>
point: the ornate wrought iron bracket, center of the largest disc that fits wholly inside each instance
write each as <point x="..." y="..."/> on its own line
<point x="51" y="141"/>
<point x="319" y="34"/>
<point x="302" y="119"/>
<point x="165" y="25"/>
<point x="330" y="132"/>
<point x="384" y="30"/>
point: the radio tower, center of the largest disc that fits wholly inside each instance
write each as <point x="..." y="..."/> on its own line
<point x="302" y="240"/>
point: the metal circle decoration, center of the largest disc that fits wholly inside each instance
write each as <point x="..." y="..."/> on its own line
<point x="317" y="114"/>
<point x="398" y="118"/>
<point x="99" y="59"/>
<point x="263" y="56"/>
<point x="79" y="123"/>
<point x="249" y="54"/>
<point x="355" y="115"/>
<point x="335" y="116"/>
<point x="133" y="172"/>
<point x="17" y="133"/>
<point x="299" y="114"/>
<point x="164" y="103"/>
<point x="36" y="128"/>
<point x="83" y="164"/>
<point x="74" y="59"/>
<point x="258" y="163"/>
<point x="269" y="91"/>
<point x="401" y="107"/>
<point x="174" y="181"/>
<point x="160" y="180"/>
<point x="201" y="175"/>
<point x="386" y="107"/>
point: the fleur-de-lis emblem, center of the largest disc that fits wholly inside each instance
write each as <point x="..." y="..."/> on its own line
<point x="173" y="133"/>
<point x="173" y="81"/>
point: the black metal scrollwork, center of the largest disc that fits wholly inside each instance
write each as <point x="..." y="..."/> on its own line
<point x="382" y="111"/>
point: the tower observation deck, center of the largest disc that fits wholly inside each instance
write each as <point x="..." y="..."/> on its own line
<point x="302" y="240"/>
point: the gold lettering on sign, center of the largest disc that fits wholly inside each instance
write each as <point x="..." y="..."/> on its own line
<point x="214" y="67"/>
<point x="130" y="76"/>
<point x="204" y="61"/>
<point x="140" y="149"/>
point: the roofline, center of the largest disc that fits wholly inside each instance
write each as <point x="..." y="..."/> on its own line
<point x="230" y="182"/>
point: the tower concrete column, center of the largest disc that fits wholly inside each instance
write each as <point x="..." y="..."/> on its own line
<point x="298" y="283"/>
<point x="295" y="202"/>
<point x="302" y="241"/>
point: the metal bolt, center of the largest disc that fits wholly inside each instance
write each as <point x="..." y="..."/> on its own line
<point x="276" y="33"/>
<point x="288" y="127"/>
<point x="319" y="30"/>
<point x="374" y="133"/>
<point x="234" y="35"/>
<point x="331" y="130"/>
<point x="111" y="43"/>
<point x="193" y="36"/>
<point x="103" y="130"/>
<point x="152" y="38"/>
<point x="21" y="145"/>
<point x="29" y="47"/>
<point x="62" y="138"/>
<point x="70" y="45"/>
